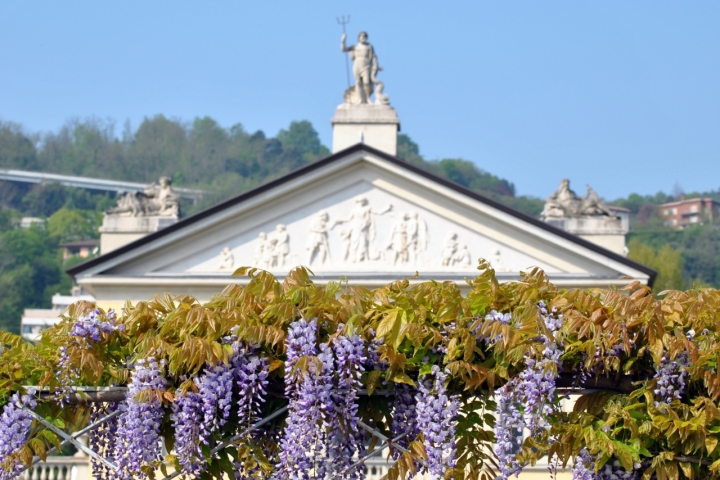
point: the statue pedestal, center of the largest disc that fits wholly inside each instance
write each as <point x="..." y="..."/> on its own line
<point x="117" y="231"/>
<point x="374" y="125"/>
<point x="608" y="232"/>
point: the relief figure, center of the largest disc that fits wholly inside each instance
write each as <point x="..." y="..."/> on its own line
<point x="449" y="249"/>
<point x="317" y="240"/>
<point x="227" y="259"/>
<point x="362" y="231"/>
<point x="398" y="245"/>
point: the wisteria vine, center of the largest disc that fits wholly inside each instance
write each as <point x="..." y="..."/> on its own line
<point x="138" y="433"/>
<point x="527" y="400"/>
<point x="15" y="424"/>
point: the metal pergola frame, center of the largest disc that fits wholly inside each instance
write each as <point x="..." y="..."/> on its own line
<point x="114" y="394"/>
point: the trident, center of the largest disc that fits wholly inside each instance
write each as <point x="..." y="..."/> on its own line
<point x="344" y="21"/>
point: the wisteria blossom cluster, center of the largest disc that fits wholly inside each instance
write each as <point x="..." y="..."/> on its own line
<point x="304" y="410"/>
<point x="584" y="466"/>
<point x="188" y="418"/>
<point x="138" y="432"/>
<point x="373" y="361"/>
<point x="436" y="418"/>
<point x="250" y="372"/>
<point x="102" y="439"/>
<point x="90" y="325"/>
<point x="615" y="471"/>
<point x="348" y="440"/>
<point x="198" y="415"/>
<point x="215" y="387"/>
<point x="404" y="417"/>
<point x="87" y="328"/>
<point x="494" y="316"/>
<point x="671" y="376"/>
<point x="528" y="399"/>
<point x="321" y="436"/>
<point x="15" y="424"/>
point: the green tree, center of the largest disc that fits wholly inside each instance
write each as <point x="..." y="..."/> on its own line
<point x="88" y="148"/>
<point x="30" y="272"/>
<point x="303" y="137"/>
<point x="68" y="225"/>
<point x="44" y="199"/>
<point x="666" y="261"/>
<point x="156" y="149"/>
<point x="408" y="150"/>
<point x="17" y="150"/>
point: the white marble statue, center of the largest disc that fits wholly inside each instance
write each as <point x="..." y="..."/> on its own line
<point x="317" y="239"/>
<point x="227" y="259"/>
<point x="565" y="203"/>
<point x="365" y="69"/>
<point x="154" y="201"/>
<point x="361" y="232"/>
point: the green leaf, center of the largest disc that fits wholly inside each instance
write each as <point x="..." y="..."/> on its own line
<point x="425" y="369"/>
<point x="402" y="377"/>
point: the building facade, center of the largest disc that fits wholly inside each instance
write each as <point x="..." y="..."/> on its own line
<point x="691" y="211"/>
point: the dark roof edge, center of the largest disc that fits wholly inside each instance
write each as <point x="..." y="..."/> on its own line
<point x="79" y="268"/>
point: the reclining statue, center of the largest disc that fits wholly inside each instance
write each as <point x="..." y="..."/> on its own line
<point x="566" y="203"/>
<point x="158" y="201"/>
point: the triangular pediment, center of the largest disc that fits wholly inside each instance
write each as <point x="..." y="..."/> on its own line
<point x="360" y="214"/>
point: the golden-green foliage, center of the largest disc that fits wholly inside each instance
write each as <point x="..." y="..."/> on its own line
<point x="616" y="420"/>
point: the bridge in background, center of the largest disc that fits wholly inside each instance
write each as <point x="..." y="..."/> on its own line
<point x="89" y="183"/>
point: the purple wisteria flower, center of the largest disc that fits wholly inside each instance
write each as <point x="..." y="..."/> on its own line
<point x="90" y="325"/>
<point x="527" y="400"/>
<point x="436" y="418"/>
<point x="87" y="328"/>
<point x="509" y="428"/>
<point x="373" y="361"/>
<point x="493" y="316"/>
<point x="188" y="420"/>
<point x="584" y="466"/>
<point x="671" y="375"/>
<point x="404" y="417"/>
<point x="138" y="432"/>
<point x="102" y="439"/>
<point x="615" y="471"/>
<point x="346" y="439"/>
<point x="250" y="372"/>
<point x="15" y="425"/>
<point x="297" y="447"/>
<point x="215" y="387"/>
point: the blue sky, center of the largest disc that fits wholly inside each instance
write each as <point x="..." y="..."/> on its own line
<point x="622" y="95"/>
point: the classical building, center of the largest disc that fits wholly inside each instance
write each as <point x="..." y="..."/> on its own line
<point x="693" y="211"/>
<point x="361" y="213"/>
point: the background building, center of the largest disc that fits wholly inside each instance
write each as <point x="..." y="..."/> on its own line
<point x="691" y="211"/>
